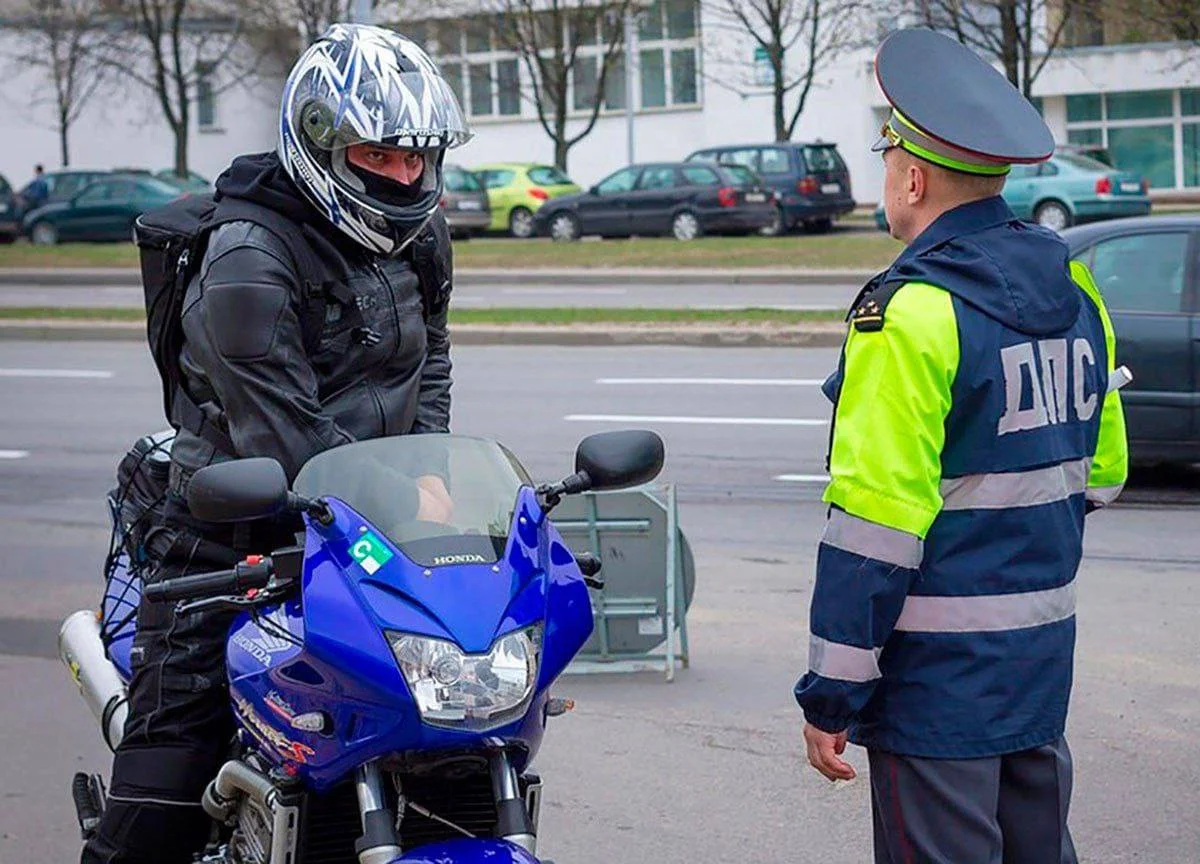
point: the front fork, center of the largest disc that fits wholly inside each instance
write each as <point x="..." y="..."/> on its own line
<point x="515" y="815"/>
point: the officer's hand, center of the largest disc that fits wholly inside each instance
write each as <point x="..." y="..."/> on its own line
<point x="824" y="748"/>
<point x="434" y="503"/>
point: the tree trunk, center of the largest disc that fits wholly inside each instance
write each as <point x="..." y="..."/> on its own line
<point x="779" y="95"/>
<point x="1010" y="53"/>
<point x="181" y="149"/>
<point x="64" y="152"/>
<point x="560" y="132"/>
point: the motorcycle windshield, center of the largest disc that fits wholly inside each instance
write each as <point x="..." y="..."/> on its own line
<point x="385" y="480"/>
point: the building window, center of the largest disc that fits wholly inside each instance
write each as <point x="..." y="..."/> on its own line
<point x="508" y="87"/>
<point x="654" y="79"/>
<point x="614" y="84"/>
<point x="669" y="54"/>
<point x="481" y="89"/>
<point x="1150" y="132"/>
<point x="206" y="102"/>
<point x="584" y="80"/>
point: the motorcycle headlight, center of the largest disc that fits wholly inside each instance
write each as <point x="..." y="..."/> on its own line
<point x="470" y="691"/>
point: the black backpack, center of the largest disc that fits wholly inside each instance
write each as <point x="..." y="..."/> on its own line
<point x="172" y="241"/>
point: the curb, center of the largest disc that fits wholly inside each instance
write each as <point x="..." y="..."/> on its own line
<point x="70" y="277"/>
<point x="811" y="336"/>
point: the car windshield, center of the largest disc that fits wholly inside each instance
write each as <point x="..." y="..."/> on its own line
<point x="741" y="176"/>
<point x="153" y="186"/>
<point x="378" y="478"/>
<point x="497" y="179"/>
<point x="823" y="158"/>
<point x="546" y="175"/>
<point x="458" y="180"/>
<point x="1083" y="163"/>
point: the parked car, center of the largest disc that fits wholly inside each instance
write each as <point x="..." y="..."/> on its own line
<point x="60" y="185"/>
<point x="1071" y="188"/>
<point x="812" y="180"/>
<point x="1066" y="190"/>
<point x="1148" y="270"/>
<point x="465" y="202"/>
<point x="10" y="215"/>
<point x="684" y="199"/>
<point x="105" y="210"/>
<point x="192" y="183"/>
<point x="517" y="190"/>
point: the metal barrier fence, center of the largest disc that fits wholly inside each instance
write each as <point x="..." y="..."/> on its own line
<point x="649" y="572"/>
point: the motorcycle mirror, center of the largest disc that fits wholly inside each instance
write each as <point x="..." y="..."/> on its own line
<point x="238" y="490"/>
<point x="618" y="460"/>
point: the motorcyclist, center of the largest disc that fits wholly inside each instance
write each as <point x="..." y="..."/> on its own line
<point x="366" y="118"/>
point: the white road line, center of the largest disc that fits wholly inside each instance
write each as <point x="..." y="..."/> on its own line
<point x="697" y="421"/>
<point x="54" y="373"/>
<point x="614" y="292"/>
<point x="803" y="478"/>
<point x="719" y="382"/>
<point x="13" y="454"/>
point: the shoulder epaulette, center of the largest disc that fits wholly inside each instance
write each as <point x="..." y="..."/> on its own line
<point x="868" y="314"/>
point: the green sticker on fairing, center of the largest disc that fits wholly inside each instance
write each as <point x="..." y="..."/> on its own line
<point x="370" y="553"/>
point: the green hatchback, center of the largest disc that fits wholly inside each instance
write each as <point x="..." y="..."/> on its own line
<point x="517" y="190"/>
<point x="105" y="210"/>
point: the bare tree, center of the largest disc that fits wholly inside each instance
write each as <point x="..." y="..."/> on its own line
<point x="1021" y="34"/>
<point x="798" y="39"/>
<point x="174" y="48"/>
<point x="560" y="42"/>
<point x="59" y="38"/>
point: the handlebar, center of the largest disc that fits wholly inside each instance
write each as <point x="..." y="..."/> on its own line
<point x="255" y="572"/>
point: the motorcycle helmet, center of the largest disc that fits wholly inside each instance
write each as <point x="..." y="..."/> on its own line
<point x="359" y="84"/>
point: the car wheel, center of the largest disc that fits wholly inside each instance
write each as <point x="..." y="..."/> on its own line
<point x="1053" y="215"/>
<point x="775" y="229"/>
<point x="44" y="234"/>
<point x="520" y="223"/>
<point x="5" y="239"/>
<point x="686" y="226"/>
<point x="564" y="227"/>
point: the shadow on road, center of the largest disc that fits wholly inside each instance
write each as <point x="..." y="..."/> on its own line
<point x="1162" y="485"/>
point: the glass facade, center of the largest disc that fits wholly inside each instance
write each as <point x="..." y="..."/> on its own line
<point x="488" y="78"/>
<point x="1155" y="133"/>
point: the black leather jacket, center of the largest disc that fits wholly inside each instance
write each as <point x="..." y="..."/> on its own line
<point x="245" y="359"/>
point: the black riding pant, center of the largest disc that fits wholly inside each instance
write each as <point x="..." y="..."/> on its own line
<point x="180" y="725"/>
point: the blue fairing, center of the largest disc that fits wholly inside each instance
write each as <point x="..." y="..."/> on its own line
<point x="468" y="852"/>
<point x="328" y="652"/>
<point x="119" y="614"/>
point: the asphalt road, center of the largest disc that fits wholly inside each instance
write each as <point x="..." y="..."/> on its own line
<point x="708" y="768"/>
<point x="478" y="295"/>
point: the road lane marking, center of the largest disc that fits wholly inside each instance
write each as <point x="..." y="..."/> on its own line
<point x="803" y="478"/>
<point x="719" y="382"/>
<point x="697" y="421"/>
<point x="612" y="292"/>
<point x="13" y="454"/>
<point x="54" y="373"/>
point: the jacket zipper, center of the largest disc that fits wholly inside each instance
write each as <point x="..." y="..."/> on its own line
<point x="383" y="280"/>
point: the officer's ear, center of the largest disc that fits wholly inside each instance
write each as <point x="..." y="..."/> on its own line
<point x="916" y="182"/>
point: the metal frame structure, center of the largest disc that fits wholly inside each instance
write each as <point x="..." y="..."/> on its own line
<point x="605" y="608"/>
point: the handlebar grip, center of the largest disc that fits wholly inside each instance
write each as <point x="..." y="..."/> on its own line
<point x="252" y="573"/>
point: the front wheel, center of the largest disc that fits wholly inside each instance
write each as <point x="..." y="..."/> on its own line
<point x="1053" y="215"/>
<point x="686" y="226"/>
<point x="564" y="227"/>
<point x="44" y="234"/>
<point x="520" y="223"/>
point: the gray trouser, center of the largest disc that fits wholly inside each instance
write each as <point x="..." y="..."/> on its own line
<point x="1001" y="810"/>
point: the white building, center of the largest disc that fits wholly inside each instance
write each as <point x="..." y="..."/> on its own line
<point x="692" y="87"/>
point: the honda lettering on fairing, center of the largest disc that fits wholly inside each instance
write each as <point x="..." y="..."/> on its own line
<point x="1037" y="391"/>
<point x="265" y="643"/>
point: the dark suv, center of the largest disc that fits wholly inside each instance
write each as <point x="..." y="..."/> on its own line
<point x="811" y="179"/>
<point x="10" y="216"/>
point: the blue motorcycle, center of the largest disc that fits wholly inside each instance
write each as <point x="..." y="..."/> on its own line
<point x="390" y="676"/>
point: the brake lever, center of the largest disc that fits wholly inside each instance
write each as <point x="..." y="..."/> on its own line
<point x="238" y="602"/>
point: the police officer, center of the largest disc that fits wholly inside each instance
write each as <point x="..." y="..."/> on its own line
<point x="974" y="426"/>
<point x="365" y="122"/>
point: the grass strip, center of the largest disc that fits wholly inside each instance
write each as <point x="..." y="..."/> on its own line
<point x="850" y="249"/>
<point x="501" y="316"/>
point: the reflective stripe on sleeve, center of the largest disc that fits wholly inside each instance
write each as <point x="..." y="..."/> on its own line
<point x="842" y="662"/>
<point x="1102" y="496"/>
<point x="987" y="613"/>
<point x="1016" y="488"/>
<point x="872" y="540"/>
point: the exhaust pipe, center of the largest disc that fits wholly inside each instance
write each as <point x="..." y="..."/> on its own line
<point x="232" y="781"/>
<point x="82" y="651"/>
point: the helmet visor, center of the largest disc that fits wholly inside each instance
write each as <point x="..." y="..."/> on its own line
<point x="417" y="111"/>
